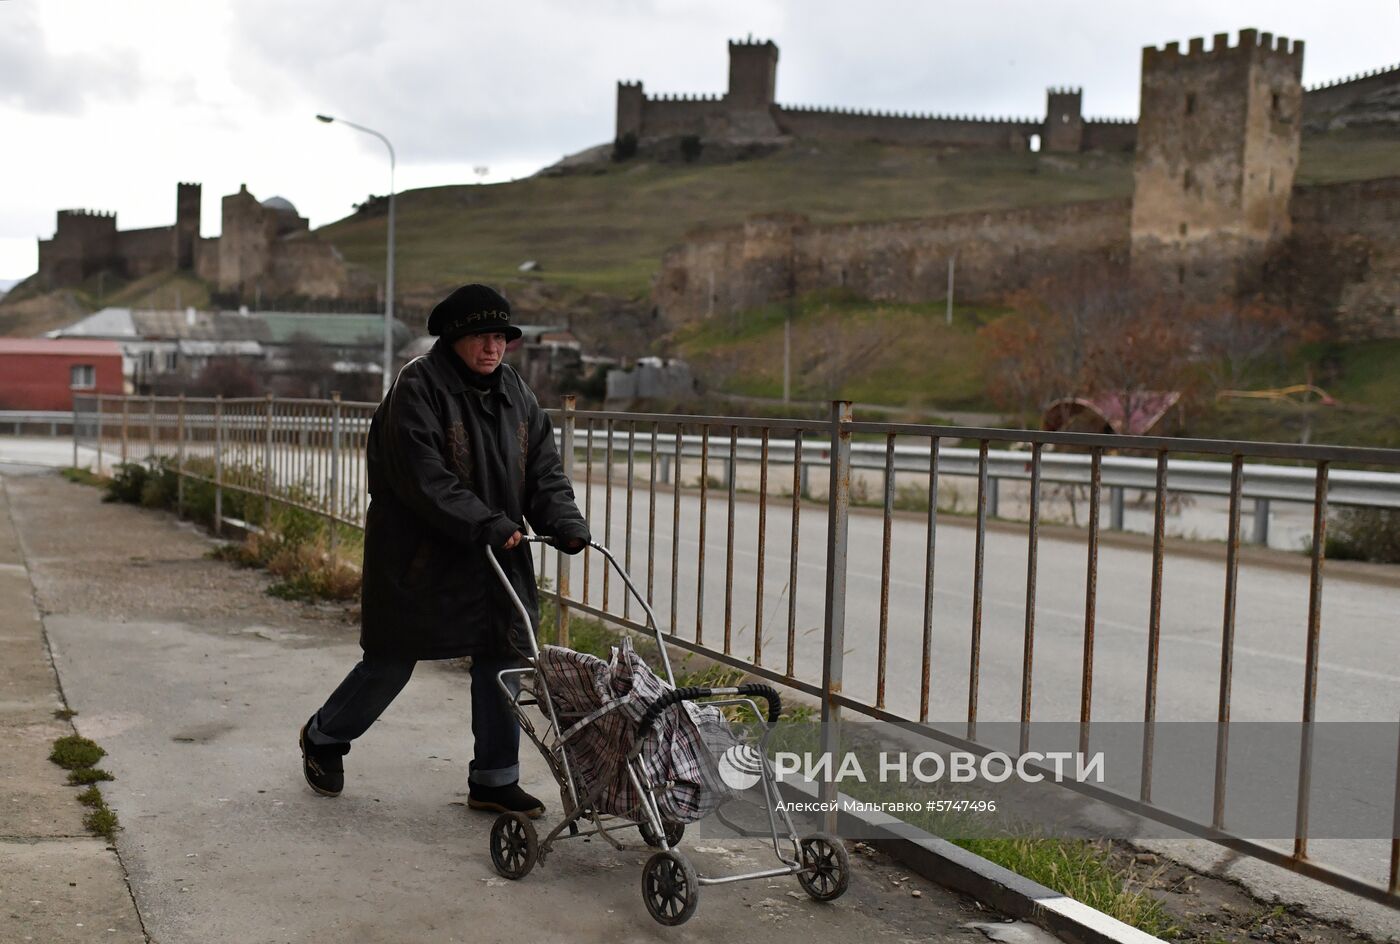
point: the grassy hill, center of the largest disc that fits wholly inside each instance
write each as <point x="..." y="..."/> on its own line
<point x="604" y="228"/>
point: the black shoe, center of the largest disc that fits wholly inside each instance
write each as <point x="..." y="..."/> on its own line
<point x="507" y="799"/>
<point x="322" y="766"/>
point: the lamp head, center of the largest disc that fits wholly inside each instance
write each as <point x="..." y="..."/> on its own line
<point x="326" y="118"/>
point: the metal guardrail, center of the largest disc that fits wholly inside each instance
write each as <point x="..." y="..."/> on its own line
<point x="310" y="454"/>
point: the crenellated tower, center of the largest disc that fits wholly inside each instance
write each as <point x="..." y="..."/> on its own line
<point x="753" y="73"/>
<point x="188" y="199"/>
<point x="1064" y="120"/>
<point x="1217" y="150"/>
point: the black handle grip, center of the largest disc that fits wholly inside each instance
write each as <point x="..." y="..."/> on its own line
<point x="769" y="694"/>
<point x="674" y="696"/>
<point x="678" y="695"/>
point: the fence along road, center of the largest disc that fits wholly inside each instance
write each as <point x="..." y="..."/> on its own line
<point x="937" y="619"/>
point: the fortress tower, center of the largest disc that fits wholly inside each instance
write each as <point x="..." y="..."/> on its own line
<point x="1064" y="120"/>
<point x="1217" y="149"/>
<point x="753" y="74"/>
<point x="186" y="232"/>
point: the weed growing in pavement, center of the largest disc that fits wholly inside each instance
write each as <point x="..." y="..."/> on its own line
<point x="73" y="752"/>
<point x="86" y="775"/>
<point x="78" y="754"/>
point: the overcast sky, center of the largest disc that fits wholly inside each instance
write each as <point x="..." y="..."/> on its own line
<point x="106" y="104"/>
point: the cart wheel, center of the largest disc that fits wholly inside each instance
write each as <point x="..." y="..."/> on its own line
<point x="674" y="832"/>
<point x="514" y="845"/>
<point x="670" y="888"/>
<point x="826" y="869"/>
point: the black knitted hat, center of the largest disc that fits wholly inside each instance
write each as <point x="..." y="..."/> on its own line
<point x="472" y="309"/>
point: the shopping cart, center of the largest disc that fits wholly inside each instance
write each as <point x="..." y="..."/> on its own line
<point x="642" y="733"/>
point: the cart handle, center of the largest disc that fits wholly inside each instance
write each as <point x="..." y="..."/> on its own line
<point x="677" y="695"/>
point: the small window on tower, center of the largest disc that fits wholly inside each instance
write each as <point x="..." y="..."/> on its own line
<point x="1187" y="180"/>
<point x="1190" y="103"/>
<point x="1064" y="119"/>
<point x="1275" y="103"/>
<point x="1181" y="275"/>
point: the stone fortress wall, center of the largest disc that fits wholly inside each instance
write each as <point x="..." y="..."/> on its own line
<point x="749" y="112"/>
<point x="1214" y="212"/>
<point x="265" y="250"/>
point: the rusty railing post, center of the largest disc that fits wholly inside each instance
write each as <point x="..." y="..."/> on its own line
<point x="180" y="457"/>
<point x="335" y="473"/>
<point x="219" y="464"/>
<point x="75" y="432"/>
<point x="563" y="566"/>
<point x="98" y="470"/>
<point x="838" y="501"/>
<point x="125" y="404"/>
<point x="267" y="464"/>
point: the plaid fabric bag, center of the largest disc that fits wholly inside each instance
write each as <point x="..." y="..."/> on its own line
<point x="601" y="703"/>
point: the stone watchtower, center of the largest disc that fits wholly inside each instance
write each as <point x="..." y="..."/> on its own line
<point x="1217" y="150"/>
<point x="753" y="74"/>
<point x="1064" y="120"/>
<point x="186" y="233"/>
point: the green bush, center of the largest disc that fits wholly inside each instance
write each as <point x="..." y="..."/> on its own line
<point x="127" y="483"/>
<point x="161" y="486"/>
<point x="1367" y="534"/>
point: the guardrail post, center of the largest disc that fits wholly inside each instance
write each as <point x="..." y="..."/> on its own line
<point x="180" y="457"/>
<point x="75" y="432"/>
<point x="563" y="565"/>
<point x="993" y="497"/>
<point x="125" y="403"/>
<point x="804" y="484"/>
<point x="99" y="434"/>
<point x="335" y="471"/>
<point x="151" y="430"/>
<point x="267" y="463"/>
<point x="665" y="468"/>
<point x="219" y="464"/>
<point x="834" y="607"/>
<point x="1260" y="532"/>
<point x="1115" y="508"/>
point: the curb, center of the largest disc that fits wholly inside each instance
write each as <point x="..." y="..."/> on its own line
<point x="955" y="868"/>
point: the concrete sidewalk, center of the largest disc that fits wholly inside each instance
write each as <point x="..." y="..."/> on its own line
<point x="195" y="682"/>
<point x="57" y="883"/>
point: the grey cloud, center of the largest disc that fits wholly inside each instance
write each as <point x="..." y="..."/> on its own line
<point x="36" y="80"/>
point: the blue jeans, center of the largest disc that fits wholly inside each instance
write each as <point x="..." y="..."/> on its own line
<point x="373" y="684"/>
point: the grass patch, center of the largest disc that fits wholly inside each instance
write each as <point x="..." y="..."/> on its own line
<point x="102" y="821"/>
<point x="84" y="476"/>
<point x="64" y="714"/>
<point x="900" y="355"/>
<point x="78" y="754"/>
<point x="73" y="752"/>
<point x="87" y="775"/>
<point x="1082" y="870"/>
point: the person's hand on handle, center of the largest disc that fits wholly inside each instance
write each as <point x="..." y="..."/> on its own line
<point x="513" y="540"/>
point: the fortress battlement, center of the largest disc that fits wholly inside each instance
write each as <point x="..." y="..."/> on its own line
<point x="87" y="214"/>
<point x="1251" y="42"/>
<point x="1358" y="77"/>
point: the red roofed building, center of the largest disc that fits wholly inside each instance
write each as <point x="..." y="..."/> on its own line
<point x="45" y="373"/>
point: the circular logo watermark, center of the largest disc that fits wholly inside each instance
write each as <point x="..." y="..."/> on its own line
<point x="740" y="767"/>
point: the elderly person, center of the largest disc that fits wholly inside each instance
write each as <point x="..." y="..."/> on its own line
<point x="460" y="456"/>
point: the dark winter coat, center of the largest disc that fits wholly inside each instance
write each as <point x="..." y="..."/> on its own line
<point x="452" y="469"/>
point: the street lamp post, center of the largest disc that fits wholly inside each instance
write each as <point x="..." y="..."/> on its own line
<point x="389" y="276"/>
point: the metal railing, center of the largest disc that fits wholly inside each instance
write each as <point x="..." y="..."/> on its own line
<point x="311" y="454"/>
